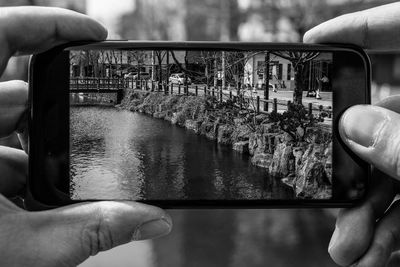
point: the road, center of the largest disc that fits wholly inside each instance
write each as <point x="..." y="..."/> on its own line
<point x="285" y="95"/>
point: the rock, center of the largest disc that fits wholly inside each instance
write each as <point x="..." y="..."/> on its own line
<point x="300" y="132"/>
<point x="238" y="121"/>
<point x="283" y="160"/>
<point x="243" y="112"/>
<point x="174" y="119"/>
<point x="298" y="155"/>
<point x="225" y="134"/>
<point x="269" y="127"/>
<point x="159" y="115"/>
<point x="241" y="133"/>
<point x="269" y="143"/>
<point x="313" y="180"/>
<point x="316" y="135"/>
<point x="209" y="130"/>
<point x="193" y="125"/>
<point x="255" y="142"/>
<point x="242" y="147"/>
<point x="262" y="160"/>
<point x="328" y="162"/>
<point x="261" y="143"/>
<point x="311" y="175"/>
<point x="284" y="138"/>
<point x="290" y="180"/>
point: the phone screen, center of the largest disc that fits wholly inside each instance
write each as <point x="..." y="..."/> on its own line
<point x="204" y="124"/>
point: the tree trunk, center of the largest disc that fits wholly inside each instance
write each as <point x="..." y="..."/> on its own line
<point x="223" y="70"/>
<point x="215" y="71"/>
<point x="138" y="69"/>
<point x="159" y="69"/>
<point x="206" y="73"/>
<point x="153" y="66"/>
<point x="298" y="84"/>
<point x="167" y="76"/>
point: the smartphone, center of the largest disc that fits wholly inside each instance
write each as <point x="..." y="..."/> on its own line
<point x="196" y="124"/>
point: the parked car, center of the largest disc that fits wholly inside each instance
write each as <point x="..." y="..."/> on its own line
<point x="134" y="75"/>
<point x="179" y="78"/>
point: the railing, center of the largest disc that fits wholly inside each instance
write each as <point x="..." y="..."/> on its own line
<point x="252" y="102"/>
<point x="89" y="83"/>
<point x="243" y="98"/>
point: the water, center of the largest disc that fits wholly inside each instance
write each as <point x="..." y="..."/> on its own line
<point x="117" y="154"/>
<point x="132" y="155"/>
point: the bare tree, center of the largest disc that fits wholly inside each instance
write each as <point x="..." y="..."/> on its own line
<point x="160" y="55"/>
<point x="298" y="61"/>
<point x="138" y="57"/>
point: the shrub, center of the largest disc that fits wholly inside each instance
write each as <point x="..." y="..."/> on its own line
<point x="294" y="121"/>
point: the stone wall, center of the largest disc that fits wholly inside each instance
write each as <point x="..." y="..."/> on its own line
<point x="305" y="166"/>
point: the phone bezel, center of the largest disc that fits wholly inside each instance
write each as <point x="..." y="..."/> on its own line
<point x="44" y="198"/>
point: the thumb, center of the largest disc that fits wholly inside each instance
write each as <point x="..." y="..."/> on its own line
<point x="69" y="235"/>
<point x="373" y="133"/>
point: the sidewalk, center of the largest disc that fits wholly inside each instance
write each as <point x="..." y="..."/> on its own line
<point x="326" y="100"/>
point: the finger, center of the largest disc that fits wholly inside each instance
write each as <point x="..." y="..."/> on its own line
<point x="27" y="30"/>
<point x="394" y="260"/>
<point x="11" y="141"/>
<point x="13" y="104"/>
<point x="375" y="28"/>
<point x="373" y="134"/>
<point x="392" y="103"/>
<point x="13" y="170"/>
<point x="67" y="236"/>
<point x="355" y="226"/>
<point x="386" y="239"/>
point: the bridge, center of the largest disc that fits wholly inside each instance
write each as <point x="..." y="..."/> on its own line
<point x="89" y="85"/>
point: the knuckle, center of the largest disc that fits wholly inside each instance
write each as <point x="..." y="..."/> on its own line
<point x="97" y="235"/>
<point x="379" y="254"/>
<point x="386" y="149"/>
<point x="395" y="154"/>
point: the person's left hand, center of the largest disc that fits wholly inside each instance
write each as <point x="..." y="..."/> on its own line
<point x="69" y="235"/>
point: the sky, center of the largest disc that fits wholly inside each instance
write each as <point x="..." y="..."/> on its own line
<point x="108" y="12"/>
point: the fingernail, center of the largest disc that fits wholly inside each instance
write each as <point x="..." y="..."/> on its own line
<point x="152" y="229"/>
<point x="334" y="239"/>
<point x="362" y="124"/>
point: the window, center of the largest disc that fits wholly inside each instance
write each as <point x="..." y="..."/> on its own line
<point x="289" y="71"/>
<point x="279" y="71"/>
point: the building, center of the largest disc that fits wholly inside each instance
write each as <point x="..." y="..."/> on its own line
<point x="281" y="71"/>
<point x="117" y="63"/>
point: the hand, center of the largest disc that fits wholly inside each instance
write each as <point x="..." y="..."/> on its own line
<point x="369" y="234"/>
<point x="68" y="235"/>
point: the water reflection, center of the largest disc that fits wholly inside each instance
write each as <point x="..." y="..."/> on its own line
<point x="124" y="155"/>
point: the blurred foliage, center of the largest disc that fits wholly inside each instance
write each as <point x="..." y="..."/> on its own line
<point x="224" y="20"/>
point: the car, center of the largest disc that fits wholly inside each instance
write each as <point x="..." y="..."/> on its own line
<point x="134" y="75"/>
<point x="179" y="78"/>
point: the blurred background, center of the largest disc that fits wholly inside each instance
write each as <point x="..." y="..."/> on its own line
<point x="225" y="237"/>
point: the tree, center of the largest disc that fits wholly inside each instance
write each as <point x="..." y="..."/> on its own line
<point x="139" y="57"/>
<point x="87" y="60"/>
<point x="160" y="55"/>
<point x="298" y="60"/>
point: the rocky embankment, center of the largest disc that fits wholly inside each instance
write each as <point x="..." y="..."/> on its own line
<point x="305" y="165"/>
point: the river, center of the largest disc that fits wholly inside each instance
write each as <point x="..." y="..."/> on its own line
<point x="117" y="154"/>
<point x="133" y="156"/>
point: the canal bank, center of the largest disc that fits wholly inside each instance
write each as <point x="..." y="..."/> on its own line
<point x="299" y="155"/>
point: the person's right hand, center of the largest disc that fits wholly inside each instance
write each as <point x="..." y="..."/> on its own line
<point x="65" y="236"/>
<point x="369" y="234"/>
